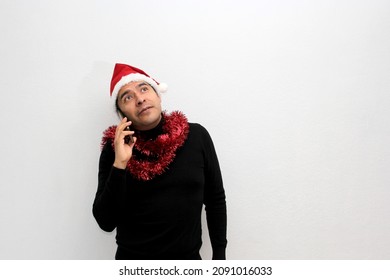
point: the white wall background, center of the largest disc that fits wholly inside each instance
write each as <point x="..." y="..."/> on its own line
<point x="294" y="93"/>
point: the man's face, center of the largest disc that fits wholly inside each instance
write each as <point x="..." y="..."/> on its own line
<point x="141" y="104"/>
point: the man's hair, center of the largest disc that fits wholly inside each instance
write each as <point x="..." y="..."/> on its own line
<point x="118" y="110"/>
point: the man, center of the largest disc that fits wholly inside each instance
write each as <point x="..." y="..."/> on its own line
<point x="156" y="171"/>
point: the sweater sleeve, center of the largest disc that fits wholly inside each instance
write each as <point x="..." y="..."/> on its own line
<point x="214" y="200"/>
<point x="111" y="185"/>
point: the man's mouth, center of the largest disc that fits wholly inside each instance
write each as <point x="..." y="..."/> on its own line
<point x="144" y="110"/>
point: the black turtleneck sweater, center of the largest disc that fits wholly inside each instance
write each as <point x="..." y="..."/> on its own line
<point x="161" y="218"/>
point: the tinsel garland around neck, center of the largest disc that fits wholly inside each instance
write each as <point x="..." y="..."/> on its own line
<point x="151" y="157"/>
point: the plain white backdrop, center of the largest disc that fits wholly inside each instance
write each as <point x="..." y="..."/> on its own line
<point x="294" y="93"/>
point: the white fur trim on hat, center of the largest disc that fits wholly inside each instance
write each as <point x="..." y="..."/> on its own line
<point x="159" y="88"/>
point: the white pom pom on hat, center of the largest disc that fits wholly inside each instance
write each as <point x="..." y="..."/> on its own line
<point x="124" y="74"/>
<point x="163" y="87"/>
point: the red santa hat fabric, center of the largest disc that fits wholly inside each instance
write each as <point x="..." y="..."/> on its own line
<point x="124" y="74"/>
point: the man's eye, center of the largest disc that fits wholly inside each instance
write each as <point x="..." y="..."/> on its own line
<point x="127" y="98"/>
<point x="144" y="89"/>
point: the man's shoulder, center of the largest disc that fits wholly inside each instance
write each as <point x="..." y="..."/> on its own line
<point x="197" y="127"/>
<point x="199" y="131"/>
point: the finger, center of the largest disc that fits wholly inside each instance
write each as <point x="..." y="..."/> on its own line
<point x="121" y="134"/>
<point x="127" y="136"/>
<point x="126" y="125"/>
<point x="131" y="144"/>
<point x="127" y="132"/>
<point x="123" y="125"/>
<point x="124" y="120"/>
<point x="118" y="127"/>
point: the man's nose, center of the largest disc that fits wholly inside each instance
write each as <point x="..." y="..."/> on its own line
<point x="140" y="99"/>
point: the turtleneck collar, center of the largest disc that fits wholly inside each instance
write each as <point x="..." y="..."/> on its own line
<point x="152" y="133"/>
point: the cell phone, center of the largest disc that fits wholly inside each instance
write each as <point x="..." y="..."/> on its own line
<point x="128" y="138"/>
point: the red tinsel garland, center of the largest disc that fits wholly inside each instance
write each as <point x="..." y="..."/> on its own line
<point x="162" y="149"/>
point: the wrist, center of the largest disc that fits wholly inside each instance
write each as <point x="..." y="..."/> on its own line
<point x="119" y="165"/>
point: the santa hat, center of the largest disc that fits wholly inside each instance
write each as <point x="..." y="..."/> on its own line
<point x="124" y="74"/>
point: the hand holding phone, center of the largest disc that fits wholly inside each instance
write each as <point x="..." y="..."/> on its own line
<point x="123" y="144"/>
